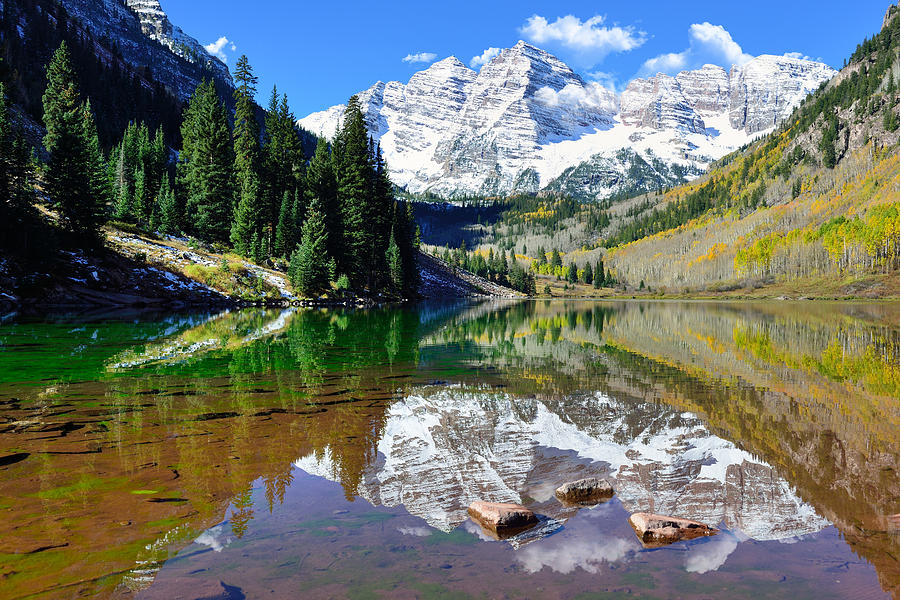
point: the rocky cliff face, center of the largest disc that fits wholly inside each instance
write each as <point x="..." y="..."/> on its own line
<point x="147" y="39"/>
<point x="440" y="451"/>
<point x="526" y="120"/>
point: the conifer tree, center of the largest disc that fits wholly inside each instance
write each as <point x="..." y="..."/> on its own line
<point x="250" y="213"/>
<point x="140" y="203"/>
<point x="394" y="265"/>
<point x="555" y="259"/>
<point x="353" y="169"/>
<point x="405" y="236"/>
<point x="572" y="275"/>
<point x="98" y="169"/>
<point x="311" y="268"/>
<point x="588" y="274"/>
<point x="169" y="221"/>
<point x="321" y="185"/>
<point x="70" y="174"/>
<point x="285" y="235"/>
<point x="282" y="157"/>
<point x="205" y="165"/>
<point x="600" y="274"/>
<point x="17" y="214"/>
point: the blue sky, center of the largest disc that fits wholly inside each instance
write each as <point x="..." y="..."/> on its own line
<point x="322" y="52"/>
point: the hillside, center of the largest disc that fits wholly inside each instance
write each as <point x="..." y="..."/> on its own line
<point x="817" y="200"/>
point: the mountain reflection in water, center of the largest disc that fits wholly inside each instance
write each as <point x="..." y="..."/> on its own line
<point x="157" y="444"/>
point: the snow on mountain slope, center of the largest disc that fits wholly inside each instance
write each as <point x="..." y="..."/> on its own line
<point x="146" y="38"/>
<point x="527" y="122"/>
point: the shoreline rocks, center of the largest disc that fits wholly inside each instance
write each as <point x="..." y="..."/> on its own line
<point x="503" y="519"/>
<point x="655" y="531"/>
<point x="591" y="490"/>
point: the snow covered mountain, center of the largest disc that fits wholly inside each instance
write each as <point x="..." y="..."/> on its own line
<point x="441" y="449"/>
<point x="147" y="39"/>
<point x="527" y="122"/>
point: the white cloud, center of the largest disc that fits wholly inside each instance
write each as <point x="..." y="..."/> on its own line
<point x="709" y="44"/>
<point x="593" y="96"/>
<point x="215" y="537"/>
<point x="711" y="555"/>
<point x="800" y="56"/>
<point x="420" y="57"/>
<point x="479" y="61"/>
<point x="591" y="39"/>
<point x="217" y="48"/>
<point x="415" y="531"/>
<point x="607" y="80"/>
<point x="566" y="552"/>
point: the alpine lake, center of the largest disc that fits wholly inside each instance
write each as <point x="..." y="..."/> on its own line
<point x="333" y="453"/>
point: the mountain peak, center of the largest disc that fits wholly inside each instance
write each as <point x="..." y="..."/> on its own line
<point x="177" y="60"/>
<point x="451" y="64"/>
<point x="526" y="117"/>
<point x="524" y="48"/>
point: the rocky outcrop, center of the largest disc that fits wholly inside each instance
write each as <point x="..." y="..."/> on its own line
<point x="591" y="490"/>
<point x="526" y="120"/>
<point x="147" y="39"/>
<point x="657" y="530"/>
<point x="765" y="91"/>
<point x="502" y="518"/>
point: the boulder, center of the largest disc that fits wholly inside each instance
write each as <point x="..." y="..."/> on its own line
<point x="658" y="530"/>
<point x="502" y="518"/>
<point x="592" y="490"/>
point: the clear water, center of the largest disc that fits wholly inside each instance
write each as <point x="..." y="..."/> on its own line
<point x="332" y="454"/>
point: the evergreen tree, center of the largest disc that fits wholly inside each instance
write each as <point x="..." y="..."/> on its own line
<point x="588" y="274"/>
<point x="555" y="259"/>
<point x="121" y="184"/>
<point x="380" y="221"/>
<point x="250" y="216"/>
<point x="70" y="175"/>
<point x="98" y="169"/>
<point x="311" y="268"/>
<point x="394" y="265"/>
<point x="353" y="169"/>
<point x="205" y="165"/>
<point x="572" y="275"/>
<point x="141" y="206"/>
<point x="17" y="214"/>
<point x="406" y="236"/>
<point x="286" y="236"/>
<point x="322" y="186"/>
<point x="282" y="156"/>
<point x="599" y="274"/>
<point x="169" y="221"/>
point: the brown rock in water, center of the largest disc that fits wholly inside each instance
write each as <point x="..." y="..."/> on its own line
<point x="592" y="490"/>
<point x="658" y="530"/>
<point x="502" y="518"/>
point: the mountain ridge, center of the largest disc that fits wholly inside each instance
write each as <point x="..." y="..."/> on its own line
<point x="526" y="119"/>
<point x="147" y="39"/>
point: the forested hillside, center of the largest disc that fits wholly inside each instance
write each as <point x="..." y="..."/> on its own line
<point x="87" y="142"/>
<point x="819" y="198"/>
<point x="31" y="30"/>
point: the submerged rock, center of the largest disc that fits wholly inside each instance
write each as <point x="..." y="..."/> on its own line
<point x="591" y="490"/>
<point x="502" y="518"/>
<point x="658" y="530"/>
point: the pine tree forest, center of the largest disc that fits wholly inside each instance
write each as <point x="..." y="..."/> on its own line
<point x="235" y="183"/>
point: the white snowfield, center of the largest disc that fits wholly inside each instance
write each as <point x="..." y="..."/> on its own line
<point x="526" y="117"/>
